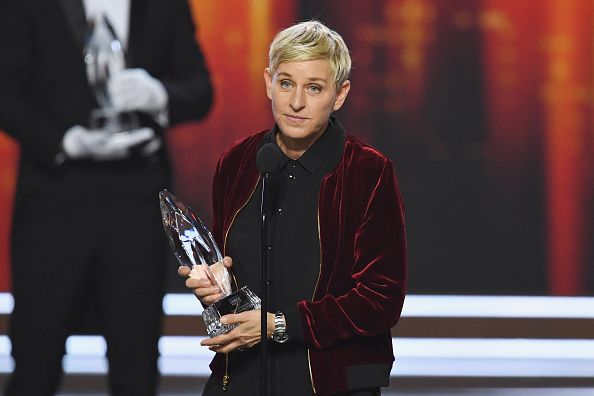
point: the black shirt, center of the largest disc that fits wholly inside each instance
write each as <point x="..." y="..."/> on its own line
<point x="295" y="266"/>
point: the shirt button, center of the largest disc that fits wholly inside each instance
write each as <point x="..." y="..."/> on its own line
<point x="291" y="176"/>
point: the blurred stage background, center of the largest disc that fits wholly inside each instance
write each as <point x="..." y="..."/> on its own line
<point x="485" y="106"/>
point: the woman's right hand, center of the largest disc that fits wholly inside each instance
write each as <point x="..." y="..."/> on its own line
<point x="200" y="284"/>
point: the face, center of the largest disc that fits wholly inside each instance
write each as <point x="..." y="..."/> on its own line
<point x="303" y="95"/>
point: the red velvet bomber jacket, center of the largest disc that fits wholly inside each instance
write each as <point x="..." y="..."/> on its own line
<point x="362" y="278"/>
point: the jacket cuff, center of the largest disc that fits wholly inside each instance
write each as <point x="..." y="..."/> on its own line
<point x="294" y="324"/>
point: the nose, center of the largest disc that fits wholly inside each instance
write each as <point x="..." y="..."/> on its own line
<point x="297" y="100"/>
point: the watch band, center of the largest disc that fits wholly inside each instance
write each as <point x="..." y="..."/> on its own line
<point x="280" y="330"/>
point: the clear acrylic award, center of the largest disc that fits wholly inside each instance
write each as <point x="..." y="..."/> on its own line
<point x="104" y="57"/>
<point x="193" y="245"/>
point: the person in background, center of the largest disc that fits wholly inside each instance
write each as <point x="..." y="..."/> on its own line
<point x="338" y="274"/>
<point x="86" y="222"/>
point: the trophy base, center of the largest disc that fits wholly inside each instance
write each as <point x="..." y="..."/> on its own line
<point x="114" y="121"/>
<point x="240" y="301"/>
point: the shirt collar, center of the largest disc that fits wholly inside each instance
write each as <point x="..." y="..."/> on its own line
<point x="316" y="153"/>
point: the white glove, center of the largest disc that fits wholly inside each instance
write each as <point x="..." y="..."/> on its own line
<point x="135" y="89"/>
<point x="100" y="145"/>
<point x="151" y="146"/>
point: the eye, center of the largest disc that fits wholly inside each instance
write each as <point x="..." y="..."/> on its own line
<point x="314" y="89"/>
<point x="285" y="84"/>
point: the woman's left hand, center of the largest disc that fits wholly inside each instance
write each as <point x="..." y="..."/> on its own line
<point x="244" y="336"/>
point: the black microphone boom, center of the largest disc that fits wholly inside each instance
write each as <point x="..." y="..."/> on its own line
<point x="267" y="161"/>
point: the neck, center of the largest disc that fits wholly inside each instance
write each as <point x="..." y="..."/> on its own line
<point x="294" y="148"/>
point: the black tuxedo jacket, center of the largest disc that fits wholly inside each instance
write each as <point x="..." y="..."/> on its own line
<point x="44" y="91"/>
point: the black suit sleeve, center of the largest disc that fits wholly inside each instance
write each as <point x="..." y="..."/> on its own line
<point x="188" y="84"/>
<point x="38" y="133"/>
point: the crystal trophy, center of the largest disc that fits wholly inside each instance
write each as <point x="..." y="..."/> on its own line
<point x="193" y="245"/>
<point x="104" y="57"/>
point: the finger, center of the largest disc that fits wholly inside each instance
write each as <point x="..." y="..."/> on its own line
<point x="128" y="77"/>
<point x="208" y="300"/>
<point x="252" y="315"/>
<point x="193" y="283"/>
<point x="132" y="73"/>
<point x="132" y="138"/>
<point x="228" y="262"/>
<point x="226" y="348"/>
<point x="144" y="133"/>
<point x="238" y="344"/>
<point x="97" y="134"/>
<point x="207" y="291"/>
<point x="123" y="92"/>
<point x="130" y="104"/>
<point x="198" y="272"/>
<point x="183" y="271"/>
<point x="152" y="146"/>
<point x="220" y="340"/>
<point x="121" y="101"/>
<point x="95" y="139"/>
<point x="119" y="88"/>
<point x="253" y="343"/>
<point x="232" y="318"/>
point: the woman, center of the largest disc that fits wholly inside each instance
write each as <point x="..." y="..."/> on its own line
<point x="339" y="250"/>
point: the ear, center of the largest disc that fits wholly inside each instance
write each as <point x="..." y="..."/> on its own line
<point x="342" y="94"/>
<point x="268" y="82"/>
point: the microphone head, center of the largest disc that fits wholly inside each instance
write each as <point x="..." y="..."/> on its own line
<point x="268" y="158"/>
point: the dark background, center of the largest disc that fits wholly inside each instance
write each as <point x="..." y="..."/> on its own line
<point x="485" y="108"/>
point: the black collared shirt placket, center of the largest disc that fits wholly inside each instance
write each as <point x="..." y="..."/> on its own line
<point x="296" y="265"/>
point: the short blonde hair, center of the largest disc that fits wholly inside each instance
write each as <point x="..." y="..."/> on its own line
<point x="311" y="40"/>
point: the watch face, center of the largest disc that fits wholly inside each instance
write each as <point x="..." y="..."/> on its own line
<point x="280" y="337"/>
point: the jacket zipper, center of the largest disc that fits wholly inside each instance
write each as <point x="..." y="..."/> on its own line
<point x="313" y="387"/>
<point x="227" y="376"/>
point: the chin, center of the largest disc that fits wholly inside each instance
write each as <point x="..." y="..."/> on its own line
<point x="291" y="130"/>
<point x="296" y="133"/>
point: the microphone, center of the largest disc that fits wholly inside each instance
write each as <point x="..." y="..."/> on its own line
<point x="268" y="158"/>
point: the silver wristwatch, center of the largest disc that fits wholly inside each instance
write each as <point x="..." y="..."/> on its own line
<point x="280" y="330"/>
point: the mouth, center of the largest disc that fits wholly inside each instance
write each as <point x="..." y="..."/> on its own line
<point x="295" y="118"/>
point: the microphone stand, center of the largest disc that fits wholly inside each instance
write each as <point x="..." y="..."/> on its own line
<point x="265" y="249"/>
<point x="267" y="161"/>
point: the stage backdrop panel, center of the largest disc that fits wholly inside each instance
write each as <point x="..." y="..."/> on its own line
<point x="484" y="106"/>
<point x="486" y="109"/>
